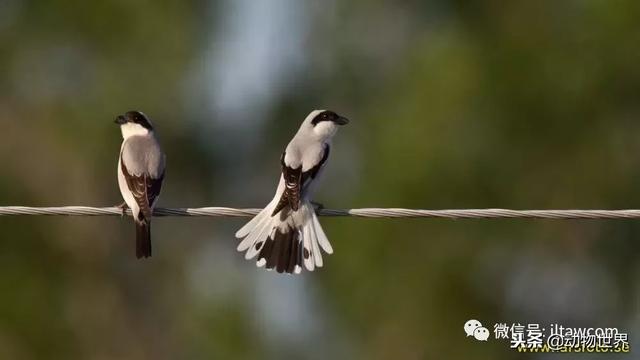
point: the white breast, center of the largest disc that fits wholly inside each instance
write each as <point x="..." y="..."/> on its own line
<point x="126" y="193"/>
<point x="133" y="129"/>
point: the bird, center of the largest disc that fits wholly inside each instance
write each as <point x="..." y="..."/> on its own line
<point x="141" y="170"/>
<point x="286" y="235"/>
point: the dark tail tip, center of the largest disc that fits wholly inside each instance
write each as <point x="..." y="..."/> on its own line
<point x="283" y="251"/>
<point x="143" y="240"/>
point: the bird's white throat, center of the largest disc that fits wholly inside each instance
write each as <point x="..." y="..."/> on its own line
<point x="133" y="129"/>
<point x="325" y="130"/>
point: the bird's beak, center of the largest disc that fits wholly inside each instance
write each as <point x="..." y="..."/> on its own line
<point x="120" y="120"/>
<point x="342" y="120"/>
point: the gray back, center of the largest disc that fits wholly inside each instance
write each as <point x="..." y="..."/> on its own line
<point x="142" y="155"/>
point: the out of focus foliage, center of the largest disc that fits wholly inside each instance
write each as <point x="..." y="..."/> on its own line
<point x="453" y="104"/>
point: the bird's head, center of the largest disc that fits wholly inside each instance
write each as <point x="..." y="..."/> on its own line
<point x="134" y="123"/>
<point x="324" y="123"/>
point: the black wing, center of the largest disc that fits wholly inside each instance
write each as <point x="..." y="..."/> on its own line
<point x="144" y="189"/>
<point x="295" y="180"/>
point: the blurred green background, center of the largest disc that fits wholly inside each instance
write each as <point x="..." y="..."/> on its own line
<point x="454" y="104"/>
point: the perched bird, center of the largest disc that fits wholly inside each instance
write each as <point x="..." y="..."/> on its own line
<point x="287" y="234"/>
<point x="140" y="173"/>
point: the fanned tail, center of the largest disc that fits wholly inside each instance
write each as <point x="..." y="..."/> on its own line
<point x="287" y="242"/>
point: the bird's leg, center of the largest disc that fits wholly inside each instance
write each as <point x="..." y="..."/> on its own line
<point x="317" y="207"/>
<point x="123" y="207"/>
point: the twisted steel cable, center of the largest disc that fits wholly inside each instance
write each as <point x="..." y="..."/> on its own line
<point x="364" y="212"/>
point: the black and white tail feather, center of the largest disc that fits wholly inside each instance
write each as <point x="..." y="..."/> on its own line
<point x="287" y="241"/>
<point x="286" y="235"/>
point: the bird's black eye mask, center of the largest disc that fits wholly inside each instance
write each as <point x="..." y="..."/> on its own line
<point x="329" y="116"/>
<point x="324" y="116"/>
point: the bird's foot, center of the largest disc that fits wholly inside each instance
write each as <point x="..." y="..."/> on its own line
<point x="317" y="207"/>
<point x="123" y="207"/>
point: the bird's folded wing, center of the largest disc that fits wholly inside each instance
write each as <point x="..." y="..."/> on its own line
<point x="292" y="183"/>
<point x="144" y="189"/>
<point x="295" y="180"/>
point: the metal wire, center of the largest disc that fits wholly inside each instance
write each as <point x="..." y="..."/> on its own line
<point x="364" y="212"/>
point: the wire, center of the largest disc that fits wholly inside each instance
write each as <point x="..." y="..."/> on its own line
<point x="364" y="212"/>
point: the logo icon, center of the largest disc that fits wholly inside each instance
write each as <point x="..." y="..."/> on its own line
<point x="471" y="326"/>
<point x="481" y="334"/>
<point x="474" y="328"/>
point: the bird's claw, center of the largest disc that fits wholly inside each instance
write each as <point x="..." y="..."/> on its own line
<point x="123" y="207"/>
